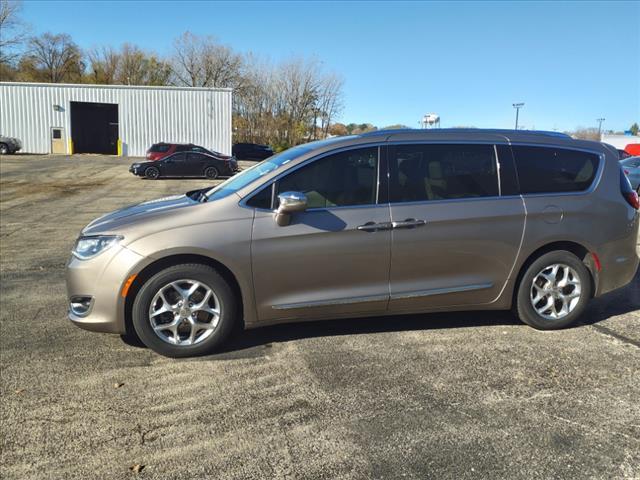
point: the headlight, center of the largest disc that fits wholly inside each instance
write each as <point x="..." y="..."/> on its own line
<point x="89" y="247"/>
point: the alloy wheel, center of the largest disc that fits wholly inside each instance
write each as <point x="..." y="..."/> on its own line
<point x="555" y="291"/>
<point x="184" y="312"/>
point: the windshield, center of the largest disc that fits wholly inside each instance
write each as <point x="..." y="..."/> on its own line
<point x="251" y="174"/>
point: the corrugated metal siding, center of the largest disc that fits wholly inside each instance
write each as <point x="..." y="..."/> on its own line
<point x="147" y="115"/>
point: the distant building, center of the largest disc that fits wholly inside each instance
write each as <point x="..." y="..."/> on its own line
<point x="628" y="143"/>
<point x="113" y="119"/>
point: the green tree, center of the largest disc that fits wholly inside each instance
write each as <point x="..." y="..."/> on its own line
<point x="635" y="128"/>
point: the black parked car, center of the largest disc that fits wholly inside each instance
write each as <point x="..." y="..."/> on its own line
<point x="186" y="164"/>
<point x="251" y="151"/>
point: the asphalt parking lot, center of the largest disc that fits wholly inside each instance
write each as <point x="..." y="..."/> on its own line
<point x="464" y="395"/>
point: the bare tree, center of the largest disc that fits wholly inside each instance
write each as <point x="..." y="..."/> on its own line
<point x="200" y="61"/>
<point x="104" y="64"/>
<point x="330" y="100"/>
<point x="12" y="30"/>
<point x="285" y="104"/>
<point x="55" y="58"/>
<point x="139" y="68"/>
<point x="586" y="134"/>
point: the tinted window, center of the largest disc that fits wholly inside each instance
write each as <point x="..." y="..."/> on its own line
<point x="341" y="179"/>
<point x="262" y="199"/>
<point x="196" y="148"/>
<point x="546" y="169"/>
<point x="440" y="172"/>
<point x="177" y="157"/>
<point x="57" y="133"/>
<point x="197" y="157"/>
<point x="159" y="148"/>
<point x="183" y="148"/>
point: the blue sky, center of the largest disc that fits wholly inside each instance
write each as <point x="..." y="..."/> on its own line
<point x="570" y="62"/>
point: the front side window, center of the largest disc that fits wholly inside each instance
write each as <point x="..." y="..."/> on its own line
<point x="342" y="179"/>
<point x="549" y="169"/>
<point x="262" y="199"/>
<point x="442" y="172"/>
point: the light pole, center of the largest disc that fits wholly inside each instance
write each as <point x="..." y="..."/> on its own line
<point x="518" y="106"/>
<point x="600" y="120"/>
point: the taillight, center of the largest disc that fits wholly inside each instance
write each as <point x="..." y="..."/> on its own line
<point x="627" y="191"/>
<point x="626" y="172"/>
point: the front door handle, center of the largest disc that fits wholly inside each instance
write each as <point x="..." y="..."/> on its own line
<point x="375" y="227"/>
<point x="409" y="223"/>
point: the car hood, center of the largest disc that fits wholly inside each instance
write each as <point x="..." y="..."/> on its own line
<point x="144" y="162"/>
<point x="111" y="222"/>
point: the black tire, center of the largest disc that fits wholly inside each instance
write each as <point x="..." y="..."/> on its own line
<point x="4" y="149"/>
<point x="211" y="173"/>
<point x="199" y="273"/>
<point x="524" y="308"/>
<point x="152" y="173"/>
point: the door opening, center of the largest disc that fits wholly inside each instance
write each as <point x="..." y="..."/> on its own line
<point x="94" y="127"/>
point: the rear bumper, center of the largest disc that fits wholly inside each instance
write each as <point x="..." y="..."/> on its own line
<point x="619" y="259"/>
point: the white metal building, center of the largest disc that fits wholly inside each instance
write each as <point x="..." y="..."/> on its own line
<point x="113" y="119"/>
<point x="620" y="141"/>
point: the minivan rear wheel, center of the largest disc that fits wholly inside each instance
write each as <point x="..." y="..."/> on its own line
<point x="184" y="310"/>
<point x="554" y="291"/>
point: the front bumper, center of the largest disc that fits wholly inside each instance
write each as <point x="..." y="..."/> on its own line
<point x="136" y="171"/>
<point x="101" y="279"/>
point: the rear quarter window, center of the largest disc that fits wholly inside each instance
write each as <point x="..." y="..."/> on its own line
<point x="554" y="170"/>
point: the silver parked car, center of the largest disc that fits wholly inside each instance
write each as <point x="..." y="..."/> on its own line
<point x="382" y="223"/>
<point x="631" y="168"/>
<point x="9" y="145"/>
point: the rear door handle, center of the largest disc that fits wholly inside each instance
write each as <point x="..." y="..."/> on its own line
<point x="375" y="227"/>
<point x="409" y="223"/>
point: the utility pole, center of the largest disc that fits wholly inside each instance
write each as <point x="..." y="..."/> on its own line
<point x="600" y="120"/>
<point x="518" y="106"/>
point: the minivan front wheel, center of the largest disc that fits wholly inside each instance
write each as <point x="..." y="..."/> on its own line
<point x="554" y="291"/>
<point x="184" y="310"/>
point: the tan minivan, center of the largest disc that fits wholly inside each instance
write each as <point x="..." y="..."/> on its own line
<point x="384" y="223"/>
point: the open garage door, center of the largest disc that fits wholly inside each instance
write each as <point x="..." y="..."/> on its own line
<point x="94" y="127"/>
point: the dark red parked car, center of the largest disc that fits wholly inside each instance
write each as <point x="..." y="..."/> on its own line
<point x="158" y="151"/>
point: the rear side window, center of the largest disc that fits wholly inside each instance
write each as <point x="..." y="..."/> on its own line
<point x="177" y="157"/>
<point x="196" y="157"/>
<point x="442" y="172"/>
<point x="549" y="170"/>
<point x="159" y="148"/>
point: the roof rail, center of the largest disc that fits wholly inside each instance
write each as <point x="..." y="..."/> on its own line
<point x="467" y="130"/>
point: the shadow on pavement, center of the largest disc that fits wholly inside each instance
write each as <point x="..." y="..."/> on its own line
<point x="255" y="342"/>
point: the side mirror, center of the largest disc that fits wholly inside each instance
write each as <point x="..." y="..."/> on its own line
<point x="290" y="202"/>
